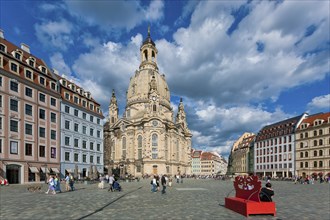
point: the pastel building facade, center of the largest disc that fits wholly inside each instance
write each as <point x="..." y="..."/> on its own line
<point x="313" y="146"/>
<point x="29" y="116"/>
<point x="274" y="148"/>
<point x="81" y="132"/>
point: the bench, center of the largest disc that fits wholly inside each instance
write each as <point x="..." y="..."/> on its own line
<point x="247" y="201"/>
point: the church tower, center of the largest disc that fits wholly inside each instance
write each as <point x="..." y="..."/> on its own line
<point x="148" y="53"/>
<point x="181" y="116"/>
<point x="147" y="140"/>
<point x="113" y="109"/>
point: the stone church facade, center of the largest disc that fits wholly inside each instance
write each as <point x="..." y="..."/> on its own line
<point x="147" y="139"/>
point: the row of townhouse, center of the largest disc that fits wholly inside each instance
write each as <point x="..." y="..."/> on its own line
<point x="47" y="123"/>
<point x="297" y="146"/>
<point x="207" y="163"/>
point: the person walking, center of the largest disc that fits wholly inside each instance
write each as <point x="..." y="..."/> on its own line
<point x="71" y="182"/>
<point x="111" y="181"/>
<point x="163" y="182"/>
<point x="51" y="185"/>
<point x="57" y="183"/>
<point x="67" y="182"/>
<point x="154" y="184"/>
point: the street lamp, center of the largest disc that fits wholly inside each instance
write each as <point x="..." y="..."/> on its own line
<point x="46" y="173"/>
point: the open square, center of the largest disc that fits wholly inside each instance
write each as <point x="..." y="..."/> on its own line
<point x="192" y="199"/>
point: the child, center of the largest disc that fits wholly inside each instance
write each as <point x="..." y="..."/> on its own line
<point x="51" y="185"/>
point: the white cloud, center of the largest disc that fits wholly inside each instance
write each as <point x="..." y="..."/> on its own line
<point x="219" y="75"/>
<point x="321" y="103"/>
<point x="57" y="61"/>
<point x="55" y="33"/>
<point x="109" y="66"/>
<point x="155" y="10"/>
<point x="229" y="69"/>
<point x="116" y="14"/>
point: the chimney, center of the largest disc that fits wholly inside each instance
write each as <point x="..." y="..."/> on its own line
<point x="2" y="34"/>
<point x="25" y="47"/>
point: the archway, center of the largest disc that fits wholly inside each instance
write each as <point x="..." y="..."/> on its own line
<point x="13" y="172"/>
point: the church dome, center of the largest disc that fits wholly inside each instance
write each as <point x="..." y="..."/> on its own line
<point x="148" y="83"/>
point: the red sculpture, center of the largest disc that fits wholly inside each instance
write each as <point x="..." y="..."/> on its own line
<point x="247" y="201"/>
<point x="247" y="187"/>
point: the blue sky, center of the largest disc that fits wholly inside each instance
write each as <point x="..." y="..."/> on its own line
<point x="238" y="65"/>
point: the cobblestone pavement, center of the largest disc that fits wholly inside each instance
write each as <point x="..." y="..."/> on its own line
<point x="193" y="199"/>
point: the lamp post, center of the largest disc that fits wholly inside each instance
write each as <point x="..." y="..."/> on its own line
<point x="46" y="173"/>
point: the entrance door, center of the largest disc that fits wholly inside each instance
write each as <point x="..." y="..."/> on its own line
<point x="12" y="173"/>
<point x="154" y="169"/>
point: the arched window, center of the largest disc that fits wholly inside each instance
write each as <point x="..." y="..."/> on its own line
<point x="306" y="164"/>
<point x="301" y="154"/>
<point x="113" y="154"/>
<point x="315" y="142"/>
<point x="301" y="136"/>
<point x="320" y="163"/>
<point x="301" y="164"/>
<point x="306" y="134"/>
<point x="145" y="55"/>
<point x="166" y="148"/>
<point x="315" y="133"/>
<point x="315" y="153"/>
<point x="301" y="145"/>
<point x="320" y="153"/>
<point x="124" y="148"/>
<point x="139" y="139"/>
<point x="154" y="139"/>
<point x="178" y="150"/>
<point x="153" y="56"/>
<point x="315" y="163"/>
<point x="306" y="154"/>
<point x="320" y="142"/>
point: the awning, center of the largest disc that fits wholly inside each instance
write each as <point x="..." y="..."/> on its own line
<point x="43" y="170"/>
<point x="68" y="170"/>
<point x="34" y="169"/>
<point x="55" y="170"/>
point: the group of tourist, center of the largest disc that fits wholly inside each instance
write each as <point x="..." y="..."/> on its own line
<point x="54" y="184"/>
<point x="162" y="180"/>
<point x="311" y="179"/>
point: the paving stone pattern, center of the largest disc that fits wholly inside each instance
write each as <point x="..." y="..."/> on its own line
<point x="193" y="199"/>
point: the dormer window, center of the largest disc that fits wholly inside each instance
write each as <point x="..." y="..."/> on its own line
<point x="18" y="56"/>
<point x="42" y="81"/>
<point x="31" y="61"/>
<point x="64" y="83"/>
<point x="43" y="69"/>
<point x="3" y="48"/>
<point x="84" y="103"/>
<point x="91" y="106"/>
